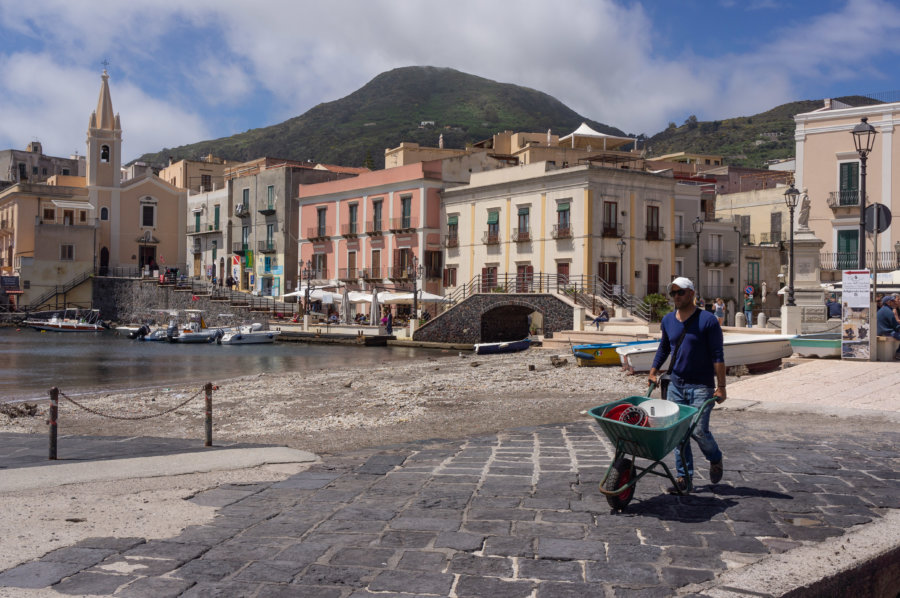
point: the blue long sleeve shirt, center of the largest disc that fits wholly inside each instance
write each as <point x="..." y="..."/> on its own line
<point x="701" y="348"/>
<point x="886" y="321"/>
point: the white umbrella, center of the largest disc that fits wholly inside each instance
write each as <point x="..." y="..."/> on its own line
<point x="426" y="297"/>
<point x="374" y="311"/>
<point x="345" y="306"/>
<point x="357" y="297"/>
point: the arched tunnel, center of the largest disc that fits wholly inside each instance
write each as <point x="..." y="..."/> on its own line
<point x="506" y="323"/>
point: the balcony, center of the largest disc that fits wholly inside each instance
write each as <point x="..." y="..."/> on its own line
<point x="612" y="230"/>
<point x="655" y="233"/>
<point x="883" y="261"/>
<point x="843" y="199"/>
<point x="349" y="230"/>
<point x="241" y="211"/>
<point x="451" y="241"/>
<point x="350" y="274"/>
<point x="194" y="229"/>
<point x="196" y="250"/>
<point x="772" y="238"/>
<point x="685" y="237"/>
<point x="318" y="232"/>
<point x="265" y="246"/>
<point x="374" y="228"/>
<point x="718" y="256"/>
<point x="398" y="273"/>
<point x="490" y="238"/>
<point x="561" y="231"/>
<point x="319" y="274"/>
<point x="403" y="224"/>
<point x="240" y="248"/>
<point x="521" y="235"/>
<point x="267" y="210"/>
<point x="376" y="273"/>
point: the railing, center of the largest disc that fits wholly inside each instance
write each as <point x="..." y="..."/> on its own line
<point x="841" y="199"/>
<point x="376" y="273"/>
<point x="399" y="273"/>
<point x="267" y="210"/>
<point x="403" y="223"/>
<point x="882" y="261"/>
<point x="196" y="250"/>
<point x="239" y="248"/>
<point x="561" y="232"/>
<point x="771" y="238"/>
<point x="451" y="241"/>
<point x="685" y="237"/>
<point x="710" y="292"/>
<point x="655" y="233"/>
<point x="318" y="232"/>
<point x="718" y="256"/>
<point x="194" y="229"/>
<point x="612" y="230"/>
<point x="521" y="235"/>
<point x="349" y="230"/>
<point x="374" y="227"/>
<point x="349" y="273"/>
<point x="57" y="290"/>
<point x="489" y="238"/>
<point x="265" y="246"/>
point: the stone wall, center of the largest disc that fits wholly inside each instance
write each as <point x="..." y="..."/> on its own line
<point x="462" y="323"/>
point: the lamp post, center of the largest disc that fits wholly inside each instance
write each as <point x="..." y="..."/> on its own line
<point x="791" y="197"/>
<point x="897" y="251"/>
<point x="737" y="297"/>
<point x="307" y="274"/>
<point x="697" y="225"/>
<point x="621" y="245"/>
<point x="415" y="272"/>
<point x="863" y="139"/>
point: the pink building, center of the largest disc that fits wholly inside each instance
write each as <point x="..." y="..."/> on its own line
<point x="374" y="228"/>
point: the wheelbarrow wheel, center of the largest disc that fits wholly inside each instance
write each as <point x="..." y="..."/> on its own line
<point x="622" y="473"/>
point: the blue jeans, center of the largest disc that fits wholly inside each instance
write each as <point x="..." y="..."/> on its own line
<point x="749" y="316"/>
<point x="695" y="395"/>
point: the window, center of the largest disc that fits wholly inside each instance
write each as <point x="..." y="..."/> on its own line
<point x="196" y="222"/>
<point x="776" y="227"/>
<point x="450" y="276"/>
<point x="49" y="215"/>
<point x="354" y="211"/>
<point x="434" y="260"/>
<point x="245" y="236"/>
<point x="406" y="210"/>
<point x="270" y="196"/>
<point x="104" y="213"/>
<point x="215" y="247"/>
<point x="608" y="272"/>
<point x="104" y="153"/>
<point x="216" y="218"/>
<point x="44" y="171"/>
<point x="753" y="273"/>
<point x="270" y="235"/>
<point x="376" y="215"/>
<point x="82" y="216"/>
<point x="246" y="198"/>
<point x="488" y="278"/>
<point x="321" y="214"/>
<point x="653" y="218"/>
<point x="23" y="173"/>
<point x="563" y="221"/>
<point x="148" y="215"/>
<point x="848" y="248"/>
<point x="320" y="265"/>
<point x="679" y="267"/>
<point x="68" y="217"/>
<point x="524" y="218"/>
<point x="849" y="184"/>
<point x="376" y="263"/>
<point x="351" y="264"/>
<point x="65" y="171"/>
<point x="404" y="262"/>
<point x="493" y="227"/>
<point x="206" y="182"/>
<point x="34" y="170"/>
<point x="610" y="218"/>
<point x="67" y="253"/>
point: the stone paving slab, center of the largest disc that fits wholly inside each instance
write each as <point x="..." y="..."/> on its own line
<point x="525" y="518"/>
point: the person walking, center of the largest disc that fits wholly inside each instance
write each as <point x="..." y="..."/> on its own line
<point x="720" y="311"/>
<point x="748" y="310"/>
<point x="697" y="374"/>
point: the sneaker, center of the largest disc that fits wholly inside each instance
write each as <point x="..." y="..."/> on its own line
<point x="715" y="472"/>
<point x="897" y="356"/>
<point x="682" y="486"/>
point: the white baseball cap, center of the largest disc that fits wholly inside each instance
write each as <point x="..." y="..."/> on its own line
<point x="682" y="283"/>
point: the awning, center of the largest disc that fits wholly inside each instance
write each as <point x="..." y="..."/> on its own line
<point x="197" y="210"/>
<point x="74" y="205"/>
<point x="562" y="207"/>
<point x="451" y="220"/>
<point x="523" y="211"/>
<point x="14" y="292"/>
<point x="493" y="218"/>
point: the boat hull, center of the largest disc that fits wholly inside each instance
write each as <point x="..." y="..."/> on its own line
<point x="256" y="337"/>
<point x="601" y="354"/>
<point x="757" y="352"/>
<point x="823" y="346"/>
<point x="504" y="347"/>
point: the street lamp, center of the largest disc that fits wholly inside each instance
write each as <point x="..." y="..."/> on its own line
<point x="621" y="245"/>
<point x="897" y="251"/>
<point x="791" y="197"/>
<point x="697" y="225"/>
<point x="863" y="139"/>
<point x="415" y="272"/>
<point x="740" y="242"/>
<point x="307" y="274"/>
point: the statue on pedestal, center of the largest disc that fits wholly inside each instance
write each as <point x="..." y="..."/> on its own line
<point x="803" y="218"/>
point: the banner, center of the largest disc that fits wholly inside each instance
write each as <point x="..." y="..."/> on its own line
<point x="855" y="314"/>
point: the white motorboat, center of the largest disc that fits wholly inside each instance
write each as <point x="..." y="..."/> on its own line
<point x="78" y="321"/>
<point x="195" y="331"/>
<point x="759" y="352"/>
<point x="822" y="345"/>
<point x="248" y="335"/>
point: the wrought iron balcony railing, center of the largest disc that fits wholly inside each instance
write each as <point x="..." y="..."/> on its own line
<point x="655" y="233"/>
<point x="561" y="232"/>
<point x="718" y="256"/>
<point x="521" y="235"/>
<point x="611" y="229"/>
<point x="490" y="238"/>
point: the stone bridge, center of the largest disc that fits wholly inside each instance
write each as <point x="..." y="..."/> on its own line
<point x="495" y="317"/>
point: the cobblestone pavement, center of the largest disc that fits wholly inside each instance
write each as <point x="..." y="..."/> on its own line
<point x="516" y="514"/>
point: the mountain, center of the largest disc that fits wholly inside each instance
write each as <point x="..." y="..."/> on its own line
<point x="745" y="140"/>
<point x="389" y="110"/>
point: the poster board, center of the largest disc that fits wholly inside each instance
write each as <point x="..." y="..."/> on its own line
<point x="856" y="315"/>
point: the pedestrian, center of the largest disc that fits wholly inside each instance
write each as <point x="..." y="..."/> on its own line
<point x="389" y="322"/>
<point x="748" y="310"/>
<point x="834" y="308"/>
<point x="720" y="311"/>
<point x="887" y="322"/>
<point x="697" y="373"/>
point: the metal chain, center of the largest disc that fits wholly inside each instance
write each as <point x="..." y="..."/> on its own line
<point x="136" y="417"/>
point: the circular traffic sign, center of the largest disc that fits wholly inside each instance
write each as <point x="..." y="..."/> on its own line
<point x="748" y="290"/>
<point x="877" y="214"/>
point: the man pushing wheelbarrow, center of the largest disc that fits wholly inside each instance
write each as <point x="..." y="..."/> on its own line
<point x="695" y="381"/>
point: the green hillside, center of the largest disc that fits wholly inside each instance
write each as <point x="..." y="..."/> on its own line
<point x="389" y="110"/>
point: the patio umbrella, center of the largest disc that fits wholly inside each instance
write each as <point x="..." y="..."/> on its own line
<point x="345" y="306"/>
<point x="426" y="297"/>
<point x="374" y="311"/>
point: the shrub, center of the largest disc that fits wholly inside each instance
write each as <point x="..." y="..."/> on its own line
<point x="659" y="306"/>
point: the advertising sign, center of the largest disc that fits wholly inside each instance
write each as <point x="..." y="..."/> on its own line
<point x="855" y="324"/>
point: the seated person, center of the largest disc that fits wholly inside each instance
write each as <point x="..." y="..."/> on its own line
<point x="887" y="323"/>
<point x="834" y="308"/>
<point x="602" y="317"/>
<point x="333" y="319"/>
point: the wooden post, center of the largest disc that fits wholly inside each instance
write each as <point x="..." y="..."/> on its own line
<point x="208" y="389"/>
<point x="54" y="413"/>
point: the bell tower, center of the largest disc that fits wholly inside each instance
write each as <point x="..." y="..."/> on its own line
<point x="103" y="171"/>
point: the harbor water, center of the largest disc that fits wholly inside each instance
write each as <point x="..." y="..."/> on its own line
<point x="82" y="363"/>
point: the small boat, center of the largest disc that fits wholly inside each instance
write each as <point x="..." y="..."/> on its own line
<point x="759" y="352"/>
<point x="195" y="331"/>
<point x="822" y="345"/>
<point x="248" y="335"/>
<point x="597" y="354"/>
<point x="80" y="322"/>
<point x="502" y="347"/>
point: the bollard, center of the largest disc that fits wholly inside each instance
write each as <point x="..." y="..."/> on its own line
<point x="208" y="388"/>
<point x="54" y="413"/>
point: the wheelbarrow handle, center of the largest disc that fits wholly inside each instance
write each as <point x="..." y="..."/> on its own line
<point x="653" y="385"/>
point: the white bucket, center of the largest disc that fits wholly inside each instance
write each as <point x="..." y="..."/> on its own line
<point x="660" y="413"/>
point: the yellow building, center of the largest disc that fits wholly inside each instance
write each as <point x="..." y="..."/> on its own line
<point x="198" y="176"/>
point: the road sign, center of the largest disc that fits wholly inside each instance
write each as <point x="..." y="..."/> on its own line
<point x="748" y="290"/>
<point x="883" y="217"/>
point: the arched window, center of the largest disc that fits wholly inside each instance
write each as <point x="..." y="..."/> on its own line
<point x="104" y="153"/>
<point x="104" y="213"/>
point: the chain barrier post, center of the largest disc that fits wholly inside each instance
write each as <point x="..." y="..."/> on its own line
<point x="208" y="388"/>
<point x="54" y="412"/>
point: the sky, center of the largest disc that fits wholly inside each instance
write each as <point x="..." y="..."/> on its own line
<point x="182" y="72"/>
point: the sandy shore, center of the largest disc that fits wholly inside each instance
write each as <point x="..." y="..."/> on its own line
<point x="332" y="410"/>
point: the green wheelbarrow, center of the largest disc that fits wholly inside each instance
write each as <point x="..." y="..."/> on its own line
<point x="636" y="441"/>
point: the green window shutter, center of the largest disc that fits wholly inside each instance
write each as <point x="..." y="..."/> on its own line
<point x="850" y="176"/>
<point x="562" y="207"/>
<point x="493" y="218"/>
<point x="452" y="220"/>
